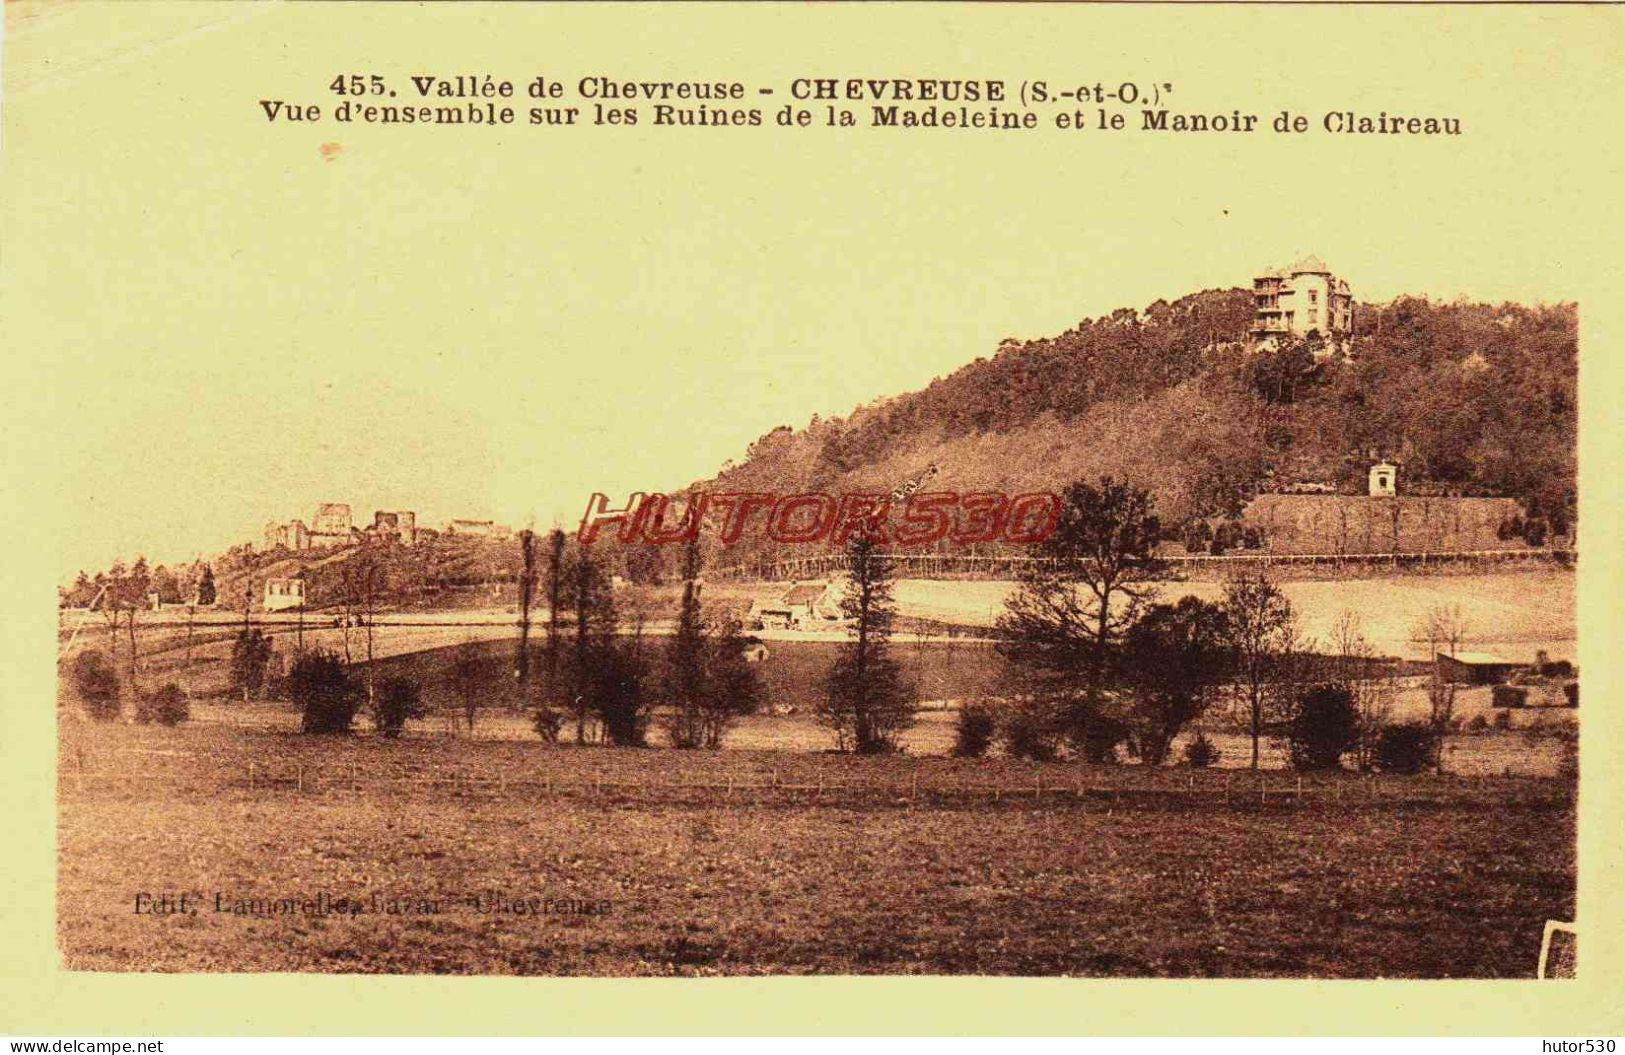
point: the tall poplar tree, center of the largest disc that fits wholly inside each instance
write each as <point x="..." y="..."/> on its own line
<point x="867" y="703"/>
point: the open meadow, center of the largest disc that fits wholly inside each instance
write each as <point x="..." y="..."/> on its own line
<point x="1539" y="742"/>
<point x="232" y="843"/>
<point x="1513" y="610"/>
<point x="456" y="855"/>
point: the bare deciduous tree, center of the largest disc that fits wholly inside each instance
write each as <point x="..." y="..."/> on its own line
<point x="593" y="602"/>
<point x="527" y="590"/>
<point x="1263" y="634"/>
<point x="1442" y="631"/>
<point x="467" y="682"/>
<point x="363" y="578"/>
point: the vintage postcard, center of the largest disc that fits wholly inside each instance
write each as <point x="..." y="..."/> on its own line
<point x="1078" y="491"/>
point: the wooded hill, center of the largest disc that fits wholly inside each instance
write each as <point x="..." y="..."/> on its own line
<point x="1471" y="399"/>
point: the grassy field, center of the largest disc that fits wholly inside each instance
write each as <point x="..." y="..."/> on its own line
<point x="1513" y="611"/>
<point x="1537" y="745"/>
<point x="658" y="862"/>
<point x="945" y="673"/>
<point x="792" y="674"/>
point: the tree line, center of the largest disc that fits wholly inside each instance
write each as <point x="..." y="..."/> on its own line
<point x="1095" y="667"/>
<point x="1470" y="398"/>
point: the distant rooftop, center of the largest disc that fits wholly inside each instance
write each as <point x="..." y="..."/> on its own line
<point x="1305" y="265"/>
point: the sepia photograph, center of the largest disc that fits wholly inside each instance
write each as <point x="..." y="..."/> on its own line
<point x="1288" y="630"/>
<point x="525" y="502"/>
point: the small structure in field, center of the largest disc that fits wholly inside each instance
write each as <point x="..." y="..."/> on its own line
<point x="804" y="600"/>
<point x="802" y="606"/>
<point x="770" y="615"/>
<point x="282" y="594"/>
<point x="1475" y="668"/>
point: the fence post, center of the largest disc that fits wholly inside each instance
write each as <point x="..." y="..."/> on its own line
<point x="299" y="776"/>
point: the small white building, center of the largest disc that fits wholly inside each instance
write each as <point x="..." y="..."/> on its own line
<point x="803" y="606"/>
<point x="282" y="594"/>
<point x="1384" y="480"/>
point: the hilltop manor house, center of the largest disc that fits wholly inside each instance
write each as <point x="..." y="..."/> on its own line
<point x="1299" y="300"/>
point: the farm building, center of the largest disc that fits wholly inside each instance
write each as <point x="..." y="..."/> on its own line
<point x="1475" y="668"/>
<point x="770" y="615"/>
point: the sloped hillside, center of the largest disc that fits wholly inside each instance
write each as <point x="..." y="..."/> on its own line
<point x="439" y="572"/>
<point x="1471" y="399"/>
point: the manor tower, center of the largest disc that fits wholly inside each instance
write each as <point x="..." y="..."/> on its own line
<point x="1299" y="300"/>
